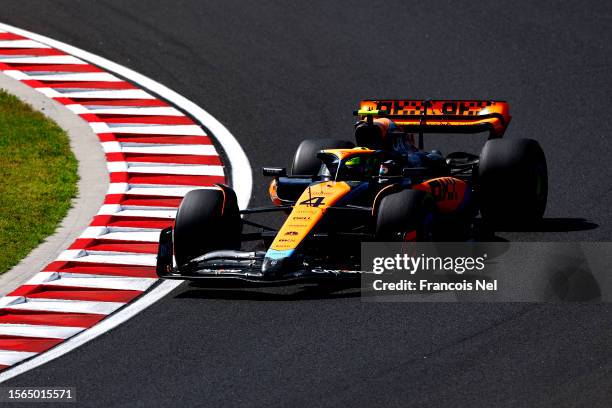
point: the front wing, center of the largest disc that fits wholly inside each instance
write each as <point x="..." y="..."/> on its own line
<point x="228" y="266"/>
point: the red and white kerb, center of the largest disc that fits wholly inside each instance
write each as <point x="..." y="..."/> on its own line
<point x="155" y="155"/>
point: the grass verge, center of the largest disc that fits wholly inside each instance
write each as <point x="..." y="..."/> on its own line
<point x="38" y="179"/>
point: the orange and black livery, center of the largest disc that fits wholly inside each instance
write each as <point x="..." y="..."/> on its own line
<point x="446" y="116"/>
<point x="383" y="185"/>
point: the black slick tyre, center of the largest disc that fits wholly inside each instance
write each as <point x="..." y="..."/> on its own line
<point x="207" y="220"/>
<point x="405" y="212"/>
<point x="305" y="161"/>
<point x="512" y="182"/>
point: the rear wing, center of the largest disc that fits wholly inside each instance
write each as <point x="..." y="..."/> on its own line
<point x="441" y="116"/>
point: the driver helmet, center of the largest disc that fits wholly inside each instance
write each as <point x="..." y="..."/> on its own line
<point x="354" y="163"/>
<point x="357" y="167"/>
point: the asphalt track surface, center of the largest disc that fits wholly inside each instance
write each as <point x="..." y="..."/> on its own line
<point x="275" y="73"/>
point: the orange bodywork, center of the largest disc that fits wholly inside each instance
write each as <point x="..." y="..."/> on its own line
<point x="307" y="212"/>
<point x="345" y="153"/>
<point x="273" y="192"/>
<point x="449" y="192"/>
<point x="444" y="115"/>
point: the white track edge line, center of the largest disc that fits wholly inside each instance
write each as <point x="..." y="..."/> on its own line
<point x="112" y="321"/>
<point x="241" y="177"/>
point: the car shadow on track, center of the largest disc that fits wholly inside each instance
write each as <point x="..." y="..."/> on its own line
<point x="343" y="290"/>
<point x="556" y="225"/>
<point x="292" y="293"/>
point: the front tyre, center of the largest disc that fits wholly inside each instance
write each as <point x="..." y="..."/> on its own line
<point x="512" y="182"/>
<point x="207" y="220"/>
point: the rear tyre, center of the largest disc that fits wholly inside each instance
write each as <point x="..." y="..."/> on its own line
<point x="512" y="182"/>
<point x="405" y="215"/>
<point x="305" y="162"/>
<point x="206" y="220"/>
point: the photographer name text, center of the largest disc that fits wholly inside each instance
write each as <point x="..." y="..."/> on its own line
<point x="424" y="285"/>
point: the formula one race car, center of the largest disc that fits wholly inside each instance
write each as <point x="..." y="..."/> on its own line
<point x="388" y="188"/>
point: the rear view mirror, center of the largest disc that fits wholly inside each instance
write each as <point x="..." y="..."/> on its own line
<point x="274" y="172"/>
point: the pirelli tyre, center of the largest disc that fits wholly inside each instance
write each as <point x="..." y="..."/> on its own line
<point x="305" y="161"/>
<point x="512" y="182"/>
<point x="207" y="220"/>
<point x="405" y="215"/>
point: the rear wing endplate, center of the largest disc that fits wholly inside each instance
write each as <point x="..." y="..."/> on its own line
<point x="441" y="116"/>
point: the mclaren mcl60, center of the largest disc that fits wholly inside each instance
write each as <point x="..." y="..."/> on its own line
<point x="383" y="187"/>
